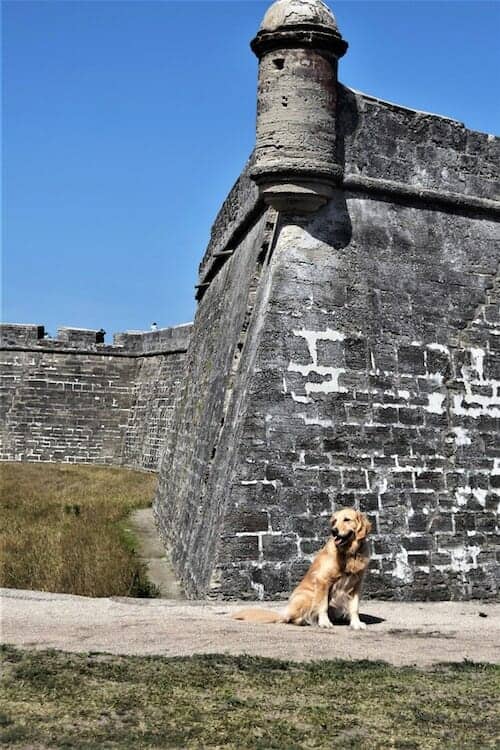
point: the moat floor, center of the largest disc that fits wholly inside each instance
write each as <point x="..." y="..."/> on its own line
<point x="399" y="633"/>
<point x="152" y="552"/>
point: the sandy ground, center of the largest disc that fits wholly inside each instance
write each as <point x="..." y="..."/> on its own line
<point x="399" y="633"/>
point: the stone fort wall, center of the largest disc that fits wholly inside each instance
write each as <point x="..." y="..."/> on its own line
<point x="353" y="359"/>
<point x="76" y="399"/>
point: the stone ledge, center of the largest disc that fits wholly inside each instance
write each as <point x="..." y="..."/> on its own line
<point x="437" y="199"/>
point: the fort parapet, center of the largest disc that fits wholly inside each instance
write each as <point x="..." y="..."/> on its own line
<point x="74" y="398"/>
<point x="345" y="349"/>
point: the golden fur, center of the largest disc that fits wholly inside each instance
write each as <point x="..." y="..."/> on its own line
<point x="333" y="580"/>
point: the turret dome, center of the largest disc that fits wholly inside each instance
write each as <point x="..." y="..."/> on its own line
<point x="285" y="13"/>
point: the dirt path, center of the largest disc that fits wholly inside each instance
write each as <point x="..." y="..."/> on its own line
<point x="152" y="552"/>
<point x="410" y="633"/>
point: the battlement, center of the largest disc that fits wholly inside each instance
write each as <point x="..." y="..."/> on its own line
<point x="75" y="398"/>
<point x="27" y="337"/>
<point x="81" y="336"/>
<point x="15" y="334"/>
<point x="153" y="342"/>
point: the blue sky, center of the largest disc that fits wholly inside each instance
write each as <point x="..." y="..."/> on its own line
<point x="126" y="123"/>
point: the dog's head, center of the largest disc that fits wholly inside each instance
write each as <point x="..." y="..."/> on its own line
<point x="349" y="528"/>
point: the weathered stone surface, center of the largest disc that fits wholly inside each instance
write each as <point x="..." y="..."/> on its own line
<point x="239" y="211"/>
<point x="284" y="13"/>
<point x="196" y="469"/>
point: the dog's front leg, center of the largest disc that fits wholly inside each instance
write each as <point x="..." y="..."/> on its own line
<point x="353" y="608"/>
<point x="323" y="619"/>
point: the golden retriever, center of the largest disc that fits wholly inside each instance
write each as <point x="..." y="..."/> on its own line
<point x="333" y="580"/>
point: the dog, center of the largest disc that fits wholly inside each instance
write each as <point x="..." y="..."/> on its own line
<point x="334" y="578"/>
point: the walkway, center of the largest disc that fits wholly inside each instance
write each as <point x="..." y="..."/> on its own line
<point x="400" y="633"/>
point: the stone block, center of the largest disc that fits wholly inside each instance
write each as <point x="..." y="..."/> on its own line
<point x="411" y="360"/>
<point x="279" y="548"/>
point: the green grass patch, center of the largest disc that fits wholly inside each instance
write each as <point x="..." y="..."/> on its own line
<point x="57" y="700"/>
<point x="62" y="529"/>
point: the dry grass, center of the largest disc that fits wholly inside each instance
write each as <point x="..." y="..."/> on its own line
<point x="84" y="702"/>
<point x="61" y="528"/>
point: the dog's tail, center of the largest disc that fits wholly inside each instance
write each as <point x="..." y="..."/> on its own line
<point x="255" y="614"/>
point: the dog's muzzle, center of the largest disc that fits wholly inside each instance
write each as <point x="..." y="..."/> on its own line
<point x="339" y="539"/>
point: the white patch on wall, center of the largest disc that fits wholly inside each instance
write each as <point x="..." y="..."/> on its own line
<point x="382" y="485"/>
<point x="435" y="377"/>
<point x="300" y="399"/>
<point x="312" y="338"/>
<point x="461" y="436"/>
<point x="328" y="386"/>
<point x="259" y="589"/>
<point x="471" y="404"/>
<point x="331" y="374"/>
<point x="402" y="568"/>
<point x="462" y="496"/>
<point x="480" y="496"/>
<point x="438" y="348"/>
<point x="464" y="558"/>
<point x="495" y="473"/>
<point x="435" y="405"/>
<point x="477" y="361"/>
<point x="489" y="405"/>
<point x="316" y="421"/>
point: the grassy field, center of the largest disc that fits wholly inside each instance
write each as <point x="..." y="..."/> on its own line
<point x="56" y="700"/>
<point x="62" y="528"/>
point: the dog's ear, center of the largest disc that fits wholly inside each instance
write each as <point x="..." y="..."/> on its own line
<point x="364" y="527"/>
<point x="333" y="519"/>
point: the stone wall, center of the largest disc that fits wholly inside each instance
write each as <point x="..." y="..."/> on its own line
<point x="76" y="399"/>
<point x="385" y="141"/>
<point x="197" y="466"/>
<point x="375" y="385"/>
